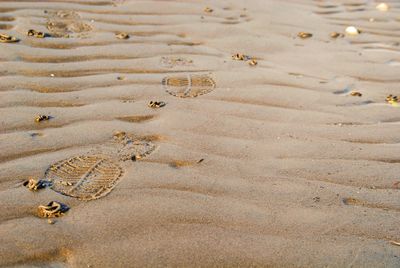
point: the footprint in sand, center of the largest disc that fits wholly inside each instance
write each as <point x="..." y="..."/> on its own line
<point x="94" y="175"/>
<point x="67" y="23"/>
<point x="171" y="61"/>
<point x="188" y="86"/>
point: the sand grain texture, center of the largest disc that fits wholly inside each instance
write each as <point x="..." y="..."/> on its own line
<point x="296" y="171"/>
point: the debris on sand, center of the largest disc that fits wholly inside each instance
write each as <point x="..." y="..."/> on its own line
<point x="36" y="34"/>
<point x="382" y="7"/>
<point x="35" y="185"/>
<point x="336" y="35"/>
<point x="351" y="30"/>
<point x="52" y="210"/>
<point x="393" y="100"/>
<point x="8" y="39"/>
<point x="239" y="56"/>
<point x="252" y="62"/>
<point x="304" y="35"/>
<point x="156" y="104"/>
<point x="122" y="35"/>
<point x="41" y="118"/>
<point x="355" y="94"/>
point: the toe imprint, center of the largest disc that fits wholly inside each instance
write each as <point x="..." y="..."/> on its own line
<point x="129" y="147"/>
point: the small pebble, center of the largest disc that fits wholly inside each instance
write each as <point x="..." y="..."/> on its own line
<point x="336" y="35"/>
<point x="351" y="30"/>
<point x="304" y="35"/>
<point x="122" y="35"/>
<point x="355" y="94"/>
<point x="252" y="62"/>
<point x="156" y="104"/>
<point x="382" y="7"/>
<point x="41" y="118"/>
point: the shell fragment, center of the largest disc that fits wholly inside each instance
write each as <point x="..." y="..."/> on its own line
<point x="351" y="30"/>
<point x="382" y="7"/>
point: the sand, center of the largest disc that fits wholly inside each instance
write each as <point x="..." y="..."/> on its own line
<point x="295" y="171"/>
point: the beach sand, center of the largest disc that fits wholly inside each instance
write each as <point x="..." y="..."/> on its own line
<point x="270" y="165"/>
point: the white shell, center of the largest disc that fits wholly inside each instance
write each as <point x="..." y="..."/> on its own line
<point x="351" y="30"/>
<point x="382" y="7"/>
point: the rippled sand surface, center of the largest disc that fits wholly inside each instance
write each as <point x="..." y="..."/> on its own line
<point x="275" y="164"/>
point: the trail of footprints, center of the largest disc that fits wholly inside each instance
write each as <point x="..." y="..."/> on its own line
<point x="95" y="174"/>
